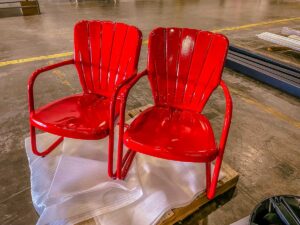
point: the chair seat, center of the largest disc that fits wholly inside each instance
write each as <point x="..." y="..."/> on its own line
<point x="83" y="116"/>
<point x="172" y="134"/>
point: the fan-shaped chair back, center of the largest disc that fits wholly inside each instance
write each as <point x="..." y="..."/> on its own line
<point x="185" y="66"/>
<point x="106" y="53"/>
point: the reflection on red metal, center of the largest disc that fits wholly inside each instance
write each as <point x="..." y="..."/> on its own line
<point x="184" y="68"/>
<point x="106" y="57"/>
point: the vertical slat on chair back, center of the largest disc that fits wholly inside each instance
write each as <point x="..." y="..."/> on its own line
<point x="185" y="66"/>
<point x="106" y="53"/>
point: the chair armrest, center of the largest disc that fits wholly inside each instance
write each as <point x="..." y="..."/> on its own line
<point x="227" y="118"/>
<point x="38" y="72"/>
<point x="126" y="86"/>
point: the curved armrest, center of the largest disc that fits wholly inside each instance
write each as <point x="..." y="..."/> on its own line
<point x="36" y="73"/>
<point x="227" y="119"/>
<point x="129" y="83"/>
<point x="126" y="86"/>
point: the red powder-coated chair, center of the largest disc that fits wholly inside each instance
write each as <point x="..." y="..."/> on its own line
<point x="106" y="57"/>
<point x="184" y="68"/>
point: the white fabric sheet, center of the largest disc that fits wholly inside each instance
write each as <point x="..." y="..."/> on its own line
<point x="71" y="185"/>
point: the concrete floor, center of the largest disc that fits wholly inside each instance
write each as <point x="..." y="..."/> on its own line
<point x="263" y="144"/>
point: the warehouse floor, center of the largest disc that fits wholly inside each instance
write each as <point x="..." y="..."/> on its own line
<point x="263" y="144"/>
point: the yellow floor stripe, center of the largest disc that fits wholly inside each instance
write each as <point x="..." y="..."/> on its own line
<point x="38" y="58"/>
<point x="145" y="42"/>
<point x="268" y="109"/>
<point x="64" y="54"/>
<point x="256" y="24"/>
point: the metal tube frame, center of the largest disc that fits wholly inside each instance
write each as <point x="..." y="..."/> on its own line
<point x="211" y="182"/>
<point x="30" y="86"/>
<point x="123" y="163"/>
<point x="113" y="101"/>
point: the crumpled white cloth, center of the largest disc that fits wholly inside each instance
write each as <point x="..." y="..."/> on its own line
<point x="71" y="185"/>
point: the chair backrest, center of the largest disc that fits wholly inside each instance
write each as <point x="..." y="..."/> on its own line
<point x="185" y="66"/>
<point x="106" y="53"/>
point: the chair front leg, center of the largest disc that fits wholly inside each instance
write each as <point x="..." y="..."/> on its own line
<point x="208" y="175"/>
<point x="226" y="125"/>
<point x="123" y="163"/>
<point x="48" y="150"/>
<point x="126" y="162"/>
<point x="110" y="161"/>
<point x="214" y="181"/>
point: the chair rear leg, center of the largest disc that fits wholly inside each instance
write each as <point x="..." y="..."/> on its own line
<point x="214" y="181"/>
<point x="48" y="150"/>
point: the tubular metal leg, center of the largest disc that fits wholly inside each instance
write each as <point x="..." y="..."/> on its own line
<point x="48" y="150"/>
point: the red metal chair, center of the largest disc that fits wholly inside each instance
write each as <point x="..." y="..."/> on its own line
<point x="184" y="68"/>
<point x="106" y="58"/>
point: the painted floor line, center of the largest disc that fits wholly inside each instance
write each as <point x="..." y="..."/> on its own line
<point x="64" y="54"/>
<point x="268" y="109"/>
<point x="256" y="24"/>
<point x="37" y="58"/>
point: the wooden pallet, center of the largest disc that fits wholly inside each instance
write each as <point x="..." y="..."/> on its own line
<point x="201" y="207"/>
